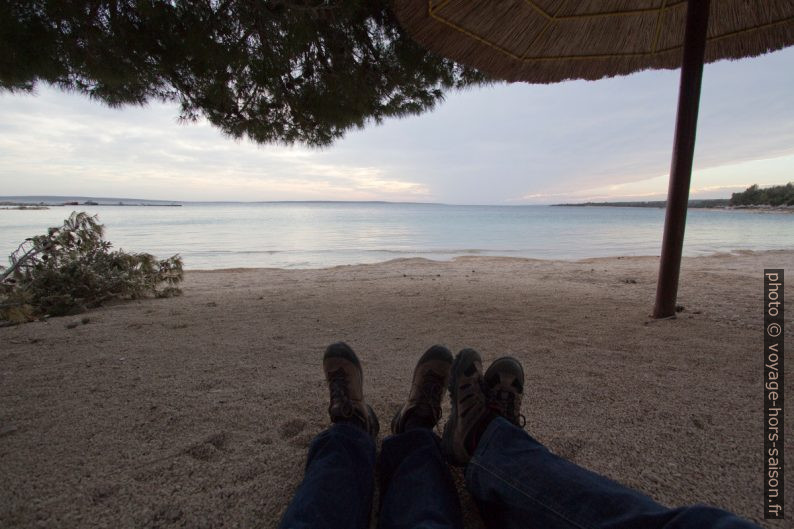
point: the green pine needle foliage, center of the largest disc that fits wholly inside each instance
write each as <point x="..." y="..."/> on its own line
<point x="72" y="268"/>
<point x="273" y="71"/>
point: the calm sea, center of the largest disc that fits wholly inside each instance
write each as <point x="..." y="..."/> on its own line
<point x="311" y="235"/>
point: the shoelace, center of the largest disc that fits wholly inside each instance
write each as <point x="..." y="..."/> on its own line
<point x="338" y="384"/>
<point x="431" y="390"/>
<point x="503" y="402"/>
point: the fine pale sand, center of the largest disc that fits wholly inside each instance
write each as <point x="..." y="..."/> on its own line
<point x="197" y="411"/>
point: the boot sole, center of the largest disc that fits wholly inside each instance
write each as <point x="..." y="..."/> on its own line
<point x="463" y="360"/>
<point x="436" y="352"/>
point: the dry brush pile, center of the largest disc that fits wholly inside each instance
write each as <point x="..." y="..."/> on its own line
<point x="72" y="268"/>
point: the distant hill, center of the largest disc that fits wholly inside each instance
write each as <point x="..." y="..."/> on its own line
<point x="48" y="200"/>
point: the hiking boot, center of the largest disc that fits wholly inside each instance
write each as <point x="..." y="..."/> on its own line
<point x="346" y="384"/>
<point x="423" y="409"/>
<point x="505" y="382"/>
<point x="470" y="414"/>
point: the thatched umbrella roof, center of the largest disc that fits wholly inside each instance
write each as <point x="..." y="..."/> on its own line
<point x="546" y="41"/>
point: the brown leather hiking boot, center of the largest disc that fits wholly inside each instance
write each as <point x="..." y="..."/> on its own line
<point x="346" y="385"/>
<point x="470" y="414"/>
<point x="505" y="382"/>
<point x="423" y="408"/>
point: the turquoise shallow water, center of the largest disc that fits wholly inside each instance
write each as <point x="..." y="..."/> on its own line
<point x="312" y="235"/>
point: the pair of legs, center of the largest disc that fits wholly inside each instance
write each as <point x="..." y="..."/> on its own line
<point x="516" y="481"/>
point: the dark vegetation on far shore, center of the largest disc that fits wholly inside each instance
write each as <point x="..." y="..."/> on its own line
<point x="768" y="196"/>
<point x="753" y="196"/>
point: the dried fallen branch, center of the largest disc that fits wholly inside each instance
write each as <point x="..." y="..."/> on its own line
<point x="72" y="268"/>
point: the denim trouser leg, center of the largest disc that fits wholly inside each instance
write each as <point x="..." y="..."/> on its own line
<point x="518" y="483"/>
<point x="417" y="491"/>
<point x="336" y="491"/>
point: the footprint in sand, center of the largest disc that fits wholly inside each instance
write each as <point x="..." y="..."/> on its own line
<point x="101" y="492"/>
<point x="292" y="428"/>
<point x="567" y="447"/>
<point x="302" y="441"/>
<point x="209" y="448"/>
<point x="166" y="515"/>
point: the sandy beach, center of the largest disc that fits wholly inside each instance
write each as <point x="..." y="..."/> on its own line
<point x="197" y="411"/>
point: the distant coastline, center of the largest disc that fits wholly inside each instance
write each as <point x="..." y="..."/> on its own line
<point x="705" y="203"/>
<point x="48" y="202"/>
<point x="714" y="204"/>
<point x="44" y="200"/>
<point x="778" y="198"/>
<point x="13" y="205"/>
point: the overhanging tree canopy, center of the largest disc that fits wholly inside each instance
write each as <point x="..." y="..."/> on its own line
<point x="273" y="71"/>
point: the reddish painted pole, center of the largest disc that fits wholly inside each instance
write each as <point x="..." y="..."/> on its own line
<point x="697" y="17"/>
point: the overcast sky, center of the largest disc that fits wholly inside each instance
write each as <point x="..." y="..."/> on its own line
<point x="505" y="144"/>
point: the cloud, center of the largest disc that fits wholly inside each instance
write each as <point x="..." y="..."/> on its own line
<point x="518" y="140"/>
<point x="501" y="144"/>
<point x="714" y="182"/>
<point x="60" y="144"/>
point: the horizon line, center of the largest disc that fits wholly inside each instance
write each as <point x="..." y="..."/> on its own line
<point x="122" y="199"/>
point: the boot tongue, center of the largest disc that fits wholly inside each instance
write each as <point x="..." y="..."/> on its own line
<point x="341" y="408"/>
<point x="421" y="416"/>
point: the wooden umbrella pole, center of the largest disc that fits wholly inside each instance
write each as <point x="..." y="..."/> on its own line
<point x="683" y="151"/>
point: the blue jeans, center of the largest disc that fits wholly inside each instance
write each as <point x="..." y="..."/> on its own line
<point x="516" y="482"/>
<point x="416" y="488"/>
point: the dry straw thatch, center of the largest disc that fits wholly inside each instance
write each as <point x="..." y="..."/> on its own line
<point x="546" y="41"/>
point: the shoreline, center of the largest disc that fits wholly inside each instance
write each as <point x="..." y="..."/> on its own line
<point x="731" y="253"/>
<point x="750" y="209"/>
